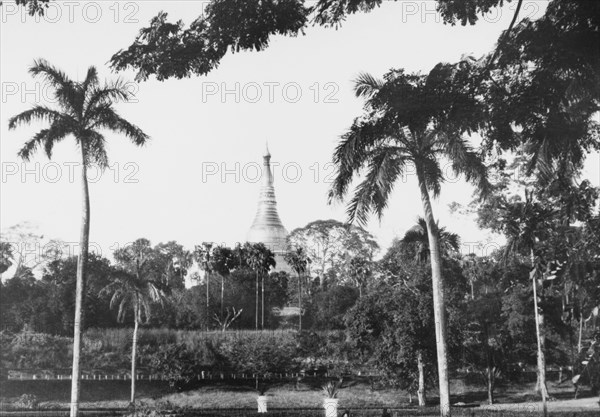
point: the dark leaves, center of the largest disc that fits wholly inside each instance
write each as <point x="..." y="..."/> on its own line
<point x="170" y="50"/>
<point x="547" y="85"/>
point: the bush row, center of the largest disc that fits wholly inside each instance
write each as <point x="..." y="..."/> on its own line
<point x="180" y="355"/>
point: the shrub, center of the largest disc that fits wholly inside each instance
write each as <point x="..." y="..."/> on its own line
<point x="175" y="363"/>
<point x="156" y="409"/>
<point x="29" y="350"/>
<point x="28" y="401"/>
<point x="261" y="357"/>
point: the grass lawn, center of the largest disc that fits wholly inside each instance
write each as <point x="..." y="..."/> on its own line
<point x="355" y="395"/>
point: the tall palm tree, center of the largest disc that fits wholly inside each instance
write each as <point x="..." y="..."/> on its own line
<point x="133" y="290"/>
<point x="418" y="236"/>
<point x="84" y="110"/>
<point x="411" y="119"/>
<point x="203" y="256"/>
<point x="260" y="259"/>
<point x="299" y="261"/>
<point x="223" y="261"/>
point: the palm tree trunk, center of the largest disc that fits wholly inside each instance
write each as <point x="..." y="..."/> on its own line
<point x="489" y="362"/>
<point x="256" y="310"/>
<point x="80" y="289"/>
<point x="222" y="292"/>
<point x="262" y="303"/>
<point x="207" y="299"/>
<point x="580" y="330"/>
<point x="439" y="308"/>
<point x="490" y="384"/>
<point x="299" y="303"/>
<point x="421" y="391"/>
<point x="134" y="352"/>
<point x="541" y="342"/>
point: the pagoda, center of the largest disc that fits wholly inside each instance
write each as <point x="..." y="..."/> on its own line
<point x="267" y="227"/>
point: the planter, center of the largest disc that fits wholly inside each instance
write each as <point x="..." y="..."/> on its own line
<point x="262" y="403"/>
<point x="331" y="407"/>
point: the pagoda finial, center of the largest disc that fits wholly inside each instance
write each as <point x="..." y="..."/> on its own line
<point x="267" y="153"/>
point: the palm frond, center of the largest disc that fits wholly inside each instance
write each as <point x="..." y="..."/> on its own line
<point x="418" y="237"/>
<point x="32" y="144"/>
<point x="65" y="90"/>
<point x="449" y="242"/>
<point x="385" y="166"/>
<point x="59" y="129"/>
<point x="352" y="153"/>
<point x="414" y="235"/>
<point x="109" y="119"/>
<point x="101" y="96"/>
<point x="46" y="138"/>
<point x="91" y="80"/>
<point x="432" y="174"/>
<point x="95" y="149"/>
<point x="125" y="301"/>
<point x="466" y="161"/>
<point x="145" y="311"/>
<point x="36" y="113"/>
<point x="366" y="85"/>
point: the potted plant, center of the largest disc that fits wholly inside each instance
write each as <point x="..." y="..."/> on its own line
<point x="330" y="403"/>
<point x="262" y="398"/>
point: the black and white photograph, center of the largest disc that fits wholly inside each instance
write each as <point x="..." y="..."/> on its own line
<point x="303" y="208"/>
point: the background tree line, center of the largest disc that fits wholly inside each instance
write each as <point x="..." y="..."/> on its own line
<point x="223" y="281"/>
<point x="384" y="323"/>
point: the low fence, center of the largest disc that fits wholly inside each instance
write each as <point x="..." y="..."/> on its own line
<point x="20" y="375"/>
<point x="147" y="375"/>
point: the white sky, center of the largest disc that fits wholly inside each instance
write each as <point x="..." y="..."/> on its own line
<point x="159" y="191"/>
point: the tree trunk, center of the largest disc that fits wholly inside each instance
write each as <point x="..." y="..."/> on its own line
<point x="207" y="300"/>
<point x="299" y="303"/>
<point x="222" y="293"/>
<point x="439" y="308"/>
<point x="541" y="342"/>
<point x="490" y="385"/>
<point x="421" y="391"/>
<point x="256" y="310"/>
<point x="134" y="352"/>
<point x="84" y="240"/>
<point x="580" y="330"/>
<point x="489" y="359"/>
<point x="262" y="302"/>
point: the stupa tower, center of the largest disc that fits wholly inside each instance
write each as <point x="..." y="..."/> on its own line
<point x="267" y="227"/>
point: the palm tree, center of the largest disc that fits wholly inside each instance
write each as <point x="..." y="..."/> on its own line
<point x="203" y="257"/>
<point x="133" y="290"/>
<point x="223" y="261"/>
<point x="417" y="236"/>
<point x="299" y="261"/>
<point x="84" y="109"/>
<point x="411" y="119"/>
<point x="260" y="259"/>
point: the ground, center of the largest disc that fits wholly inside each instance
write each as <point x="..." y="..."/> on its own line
<point x="115" y="394"/>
